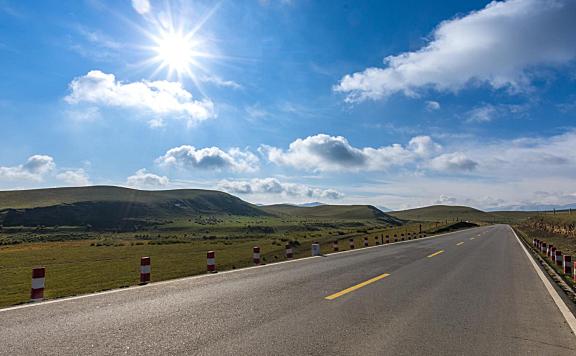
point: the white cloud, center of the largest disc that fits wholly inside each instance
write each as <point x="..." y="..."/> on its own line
<point x="141" y="6"/>
<point x="210" y="158"/>
<point x="432" y="105"/>
<point x="424" y="146"/>
<point x="499" y="45"/>
<point x="77" y="177"/>
<point x="145" y="179"/>
<point x="453" y="162"/>
<point x="274" y="186"/>
<point x="484" y="113"/>
<point x="334" y="153"/>
<point x="213" y="79"/>
<point x="162" y="99"/>
<point x="35" y="168"/>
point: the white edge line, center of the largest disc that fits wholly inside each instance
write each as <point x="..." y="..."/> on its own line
<point x="175" y="280"/>
<point x="570" y="319"/>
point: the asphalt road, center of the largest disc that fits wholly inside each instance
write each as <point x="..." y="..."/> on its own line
<point x="481" y="296"/>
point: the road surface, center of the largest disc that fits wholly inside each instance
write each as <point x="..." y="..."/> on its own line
<point x="470" y="292"/>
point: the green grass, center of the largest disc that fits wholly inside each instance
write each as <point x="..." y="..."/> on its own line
<point x="78" y="267"/>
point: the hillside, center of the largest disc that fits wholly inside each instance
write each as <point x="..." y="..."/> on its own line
<point x="357" y="212"/>
<point x="106" y="206"/>
<point x="443" y="212"/>
<point x="463" y="213"/>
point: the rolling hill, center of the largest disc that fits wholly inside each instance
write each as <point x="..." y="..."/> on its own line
<point x="358" y="212"/>
<point x="463" y="213"/>
<point x="117" y="207"/>
<point x="106" y="206"/>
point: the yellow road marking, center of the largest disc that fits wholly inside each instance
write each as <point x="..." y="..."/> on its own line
<point x="358" y="286"/>
<point x="459" y="243"/>
<point x="435" y="253"/>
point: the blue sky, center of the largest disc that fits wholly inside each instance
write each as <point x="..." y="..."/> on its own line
<point x="392" y="103"/>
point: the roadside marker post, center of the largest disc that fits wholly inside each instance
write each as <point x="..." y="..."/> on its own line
<point x="376" y="241"/>
<point x="316" y="249"/>
<point x="145" y="270"/>
<point x="256" y="255"/>
<point x="289" y="253"/>
<point x="552" y="252"/>
<point x="574" y="271"/>
<point x="387" y="239"/>
<point x="335" y="246"/>
<point x="567" y="265"/>
<point x="365" y="241"/>
<point x="543" y="247"/>
<point x="351" y="243"/>
<point x="211" y="261"/>
<point x="38" y="279"/>
<point x="558" y="258"/>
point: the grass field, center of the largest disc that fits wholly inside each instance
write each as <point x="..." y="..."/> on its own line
<point x="90" y="264"/>
<point x="557" y="229"/>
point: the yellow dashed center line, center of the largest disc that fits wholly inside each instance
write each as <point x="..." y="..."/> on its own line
<point x="358" y="286"/>
<point x="435" y="253"/>
<point x="459" y="243"/>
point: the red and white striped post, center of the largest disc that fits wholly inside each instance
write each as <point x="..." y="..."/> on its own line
<point x="558" y="258"/>
<point x="543" y="247"/>
<point x="567" y="265"/>
<point x="366" y="242"/>
<point x="534" y="242"/>
<point x="335" y="247"/>
<point x="351" y="244"/>
<point x="574" y="271"/>
<point x="376" y="241"/>
<point x="38" y="278"/>
<point x="145" y="270"/>
<point x="256" y="255"/>
<point x="289" y="253"/>
<point x="551" y="252"/>
<point x="211" y="261"/>
<point x="387" y="239"/>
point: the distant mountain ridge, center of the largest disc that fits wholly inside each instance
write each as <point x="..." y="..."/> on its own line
<point x="111" y="206"/>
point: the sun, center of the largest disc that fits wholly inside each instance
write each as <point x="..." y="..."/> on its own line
<point x="177" y="52"/>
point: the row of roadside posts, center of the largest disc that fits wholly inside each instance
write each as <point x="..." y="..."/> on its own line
<point x="556" y="257"/>
<point x="39" y="273"/>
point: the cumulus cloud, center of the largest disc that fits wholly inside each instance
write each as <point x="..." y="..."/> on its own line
<point x="453" y="162"/>
<point x="145" y="179"/>
<point x="141" y="6"/>
<point x="499" y="45"/>
<point x="334" y="153"/>
<point x="162" y="99"/>
<point x="35" y="168"/>
<point x="210" y="158"/>
<point x="75" y="177"/>
<point x="274" y="186"/>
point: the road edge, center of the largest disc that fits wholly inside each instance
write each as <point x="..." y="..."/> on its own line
<point x="566" y="312"/>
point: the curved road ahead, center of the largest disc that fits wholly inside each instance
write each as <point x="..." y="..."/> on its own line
<point x="470" y="292"/>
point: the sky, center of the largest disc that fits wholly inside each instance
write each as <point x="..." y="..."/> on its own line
<point x="397" y="104"/>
